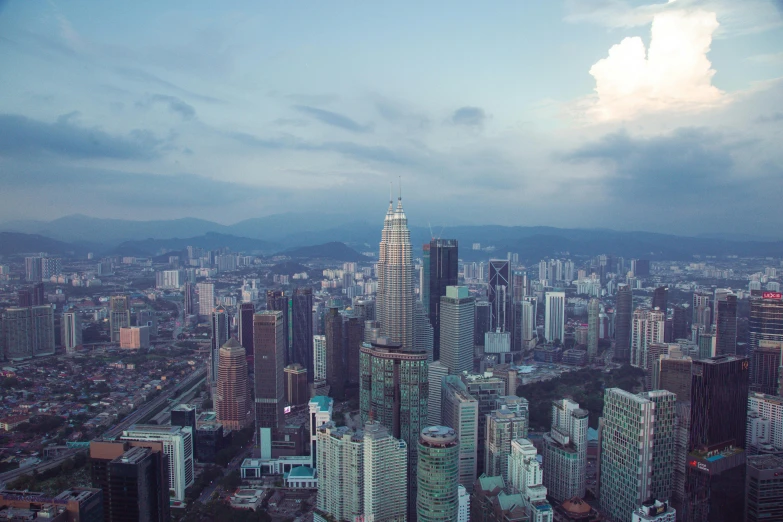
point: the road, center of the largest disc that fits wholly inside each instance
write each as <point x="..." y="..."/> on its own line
<point x="193" y="380"/>
<point x="233" y="465"/>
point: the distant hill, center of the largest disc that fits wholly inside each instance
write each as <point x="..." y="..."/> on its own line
<point x="209" y="241"/>
<point x="335" y="251"/>
<point x="12" y="243"/>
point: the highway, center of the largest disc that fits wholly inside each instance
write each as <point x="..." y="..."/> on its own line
<point x="139" y="415"/>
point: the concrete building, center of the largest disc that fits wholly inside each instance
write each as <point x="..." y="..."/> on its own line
<point x="623" y="319"/>
<point x="71" y="332"/>
<point x="335" y="354"/>
<point x="269" y="385"/>
<point x="135" y="337"/>
<point x="297" y="392"/>
<point x="460" y="411"/>
<point x="565" y="451"/>
<point x="654" y="511"/>
<point x="457" y="323"/>
<point x="206" y="299"/>
<point x="764" y="432"/>
<point x="554" y="318"/>
<point x="632" y="473"/>
<point x="526" y="477"/>
<point x="321" y="409"/>
<point x="463" y="514"/>
<point x="178" y="447"/>
<point x="232" y="400"/>
<point x="647" y="327"/>
<point x="764" y="488"/>
<point x="319" y="357"/>
<point x="423" y="334"/>
<point x="438" y="475"/>
<point x="766" y="367"/>
<point x="302" y="329"/>
<point x="221" y="327"/>
<point x="119" y="316"/>
<point x="385" y="475"/>
<point x="503" y="426"/>
<point x="437" y="372"/>
<point x="27" y="332"/>
<point x="593" y="328"/>
<point x="169" y="279"/>
<point x="71" y="505"/>
<point x="486" y="390"/>
<point x="245" y="327"/>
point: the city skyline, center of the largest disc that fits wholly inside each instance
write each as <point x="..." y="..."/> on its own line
<point x="216" y="111"/>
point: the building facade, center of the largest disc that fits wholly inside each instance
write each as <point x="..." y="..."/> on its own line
<point x="232" y="400"/>
<point x="565" y="451"/>
<point x="457" y="316"/>
<point x="438" y="475"/>
<point x="269" y="379"/>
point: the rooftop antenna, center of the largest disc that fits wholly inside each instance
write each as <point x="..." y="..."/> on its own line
<point x="400" y="188"/>
<point x="432" y="236"/>
<point x="390" y="192"/>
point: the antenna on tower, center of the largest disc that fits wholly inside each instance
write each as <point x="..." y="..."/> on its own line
<point x="390" y="192"/>
<point x="400" y="178"/>
<point x="431" y="234"/>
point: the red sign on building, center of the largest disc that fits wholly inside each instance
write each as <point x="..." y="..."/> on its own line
<point x="772" y="295"/>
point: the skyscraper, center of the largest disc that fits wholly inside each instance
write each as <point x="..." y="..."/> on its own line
<point x="438" y="475"/>
<point x="436" y="373"/>
<point x="702" y="311"/>
<point x="245" y="327"/>
<point x="622" y="329"/>
<point x="765" y="323"/>
<point x="385" y="474"/>
<point x="206" y="298"/>
<point x="660" y="299"/>
<point x="277" y="300"/>
<point x="394" y="390"/>
<point x="565" y="451"/>
<point x="72" y="331"/>
<point x="188" y="297"/>
<point x="499" y="295"/>
<point x="503" y="426"/>
<point x="726" y="325"/>
<point x="119" y="316"/>
<point x="679" y="326"/>
<point x="528" y="330"/>
<point x="302" y="329"/>
<point x="335" y="369"/>
<point x="423" y="334"/>
<point x="766" y="368"/>
<point x="353" y="332"/>
<point x="483" y="312"/>
<point x="395" y="284"/>
<point x="593" y="328"/>
<point x="232" y="400"/>
<point x="764" y="430"/>
<point x="631" y="473"/>
<point x="220" y="323"/>
<point x="554" y="320"/>
<point x="646" y="329"/>
<point x="764" y="488"/>
<point x="527" y="477"/>
<point x="457" y="311"/>
<point x="269" y="360"/>
<point x="442" y="271"/>
<point x="319" y="357"/>
<point x="460" y="411"/>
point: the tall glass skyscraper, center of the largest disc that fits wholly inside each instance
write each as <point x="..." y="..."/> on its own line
<point x="440" y="271"/>
<point x="622" y="329"/>
<point x="457" y="310"/>
<point x="302" y="329"/>
<point x="499" y="295"/>
<point x="438" y="475"/>
<point x="726" y="324"/>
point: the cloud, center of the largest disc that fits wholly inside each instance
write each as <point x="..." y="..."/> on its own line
<point x="767" y="58"/>
<point x="470" y="116"/>
<point x="332" y="118"/>
<point x="774" y="117"/>
<point x="174" y="104"/>
<point x="22" y="136"/>
<point x="673" y="74"/>
<point x="399" y="114"/>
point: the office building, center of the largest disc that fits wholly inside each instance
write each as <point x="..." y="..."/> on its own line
<point x="335" y="354"/>
<point x="297" y="392"/>
<point x="71" y="332"/>
<point x="463" y="513"/>
<point x="437" y="371"/>
<point x="220" y="323"/>
<point x="654" y="511"/>
<point x="554" y="316"/>
<point x="33" y="269"/>
<point x="423" y="335"/>
<point x="438" y="475"/>
<point x="135" y="337"/>
<point x="133" y="479"/>
<point x="499" y="296"/>
<point x="593" y="328"/>
<point x="652" y="367"/>
<point x="178" y="447"/>
<point x="394" y="308"/>
<point x="565" y="451"/>
<point x="457" y="313"/>
<point x="269" y="379"/>
<point x="184" y="416"/>
<point x="483" y="316"/>
<point x="623" y="320"/>
<point x="647" y="327"/>
<point x="206" y="299"/>
<point x="232" y="400"/>
<point x="660" y="299"/>
<point x="277" y="301"/>
<point x="764" y="488"/>
<point x="119" y="316"/>
<point x="717" y="438"/>
<point x="71" y="505"/>
<point x="520" y="285"/>
<point x="765" y="367"/>
<point x="702" y="310"/>
<point x="674" y="374"/>
<point x="528" y="319"/>
<point x="766" y="319"/>
<point x="189" y="298"/>
<point x="245" y="327"/>
<point x="726" y="325"/>
<point x="394" y="390"/>
<point x="460" y="411"/>
<point x="764" y="429"/>
<point x="503" y="426"/>
<point x="33" y="296"/>
<point x="353" y="334"/>
<point x="486" y="390"/>
<point x="302" y="329"/>
<point x="319" y="357"/>
<point x="440" y="271"/>
<point x="633" y="473"/>
<point x="526" y="476"/>
<point x="361" y="474"/>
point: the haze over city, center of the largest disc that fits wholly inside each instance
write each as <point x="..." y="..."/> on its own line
<point x="628" y="115"/>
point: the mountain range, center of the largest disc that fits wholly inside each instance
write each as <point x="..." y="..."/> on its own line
<point x="288" y="233"/>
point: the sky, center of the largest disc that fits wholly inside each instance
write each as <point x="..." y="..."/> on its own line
<point x="659" y="116"/>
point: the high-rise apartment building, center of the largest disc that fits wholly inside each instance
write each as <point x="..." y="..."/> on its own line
<point x="71" y="331"/>
<point x="206" y="299"/>
<point x="593" y="328"/>
<point x="32" y="269"/>
<point x="526" y="476"/>
<point x="385" y="474"/>
<point x="269" y="380"/>
<point x="764" y="488"/>
<point x="623" y="319"/>
<point x="178" y="446"/>
<point x="646" y="328"/>
<point x="119" y="315"/>
<point x="487" y="391"/>
<point x="766" y="319"/>
<point x="554" y="316"/>
<point x="135" y="337"/>
<point x="499" y="295"/>
<point x="457" y="312"/>
<point x="565" y="451"/>
<point x="631" y="473"/>
<point x="27" y="332"/>
<point x="764" y="429"/>
<point x="302" y="329"/>
<point x="220" y="324"/>
<point x="232" y="400"/>
<point x="460" y="412"/>
<point x="503" y="426"/>
<point x="394" y="307"/>
<point x="319" y="357"/>
<point x="438" y="475"/>
<point x="440" y="271"/>
<point x="335" y="354"/>
<point x="702" y="309"/>
<point x="245" y="327"/>
<point x="188" y="298"/>
<point x="394" y="390"/>
<point x="726" y="324"/>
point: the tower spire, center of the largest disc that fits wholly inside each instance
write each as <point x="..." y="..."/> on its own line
<point x="400" y="181"/>
<point x="390" y="192"/>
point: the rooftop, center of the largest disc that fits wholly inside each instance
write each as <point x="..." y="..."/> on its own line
<point x="765" y="462"/>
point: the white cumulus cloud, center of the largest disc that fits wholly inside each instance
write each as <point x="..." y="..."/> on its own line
<point x="673" y="74"/>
